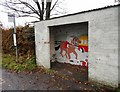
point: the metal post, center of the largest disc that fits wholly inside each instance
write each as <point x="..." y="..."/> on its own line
<point x="15" y="42"/>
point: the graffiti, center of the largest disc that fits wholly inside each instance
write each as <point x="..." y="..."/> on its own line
<point x="83" y="45"/>
<point x="74" y="50"/>
<point x="71" y="48"/>
<point x="68" y="47"/>
<point x="84" y="63"/>
<point x="63" y="47"/>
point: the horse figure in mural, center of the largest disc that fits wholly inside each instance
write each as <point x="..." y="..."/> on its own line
<point x="63" y="47"/>
<point x="68" y="48"/>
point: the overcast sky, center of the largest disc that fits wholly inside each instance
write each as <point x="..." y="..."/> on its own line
<point x="72" y="6"/>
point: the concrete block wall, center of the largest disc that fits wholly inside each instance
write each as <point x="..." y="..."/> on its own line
<point x="103" y="47"/>
<point x="119" y="43"/>
<point x="0" y="45"/>
<point x="103" y="43"/>
<point x="42" y="45"/>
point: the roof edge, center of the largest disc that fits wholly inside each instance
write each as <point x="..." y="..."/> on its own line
<point x="106" y="7"/>
<point x="85" y="11"/>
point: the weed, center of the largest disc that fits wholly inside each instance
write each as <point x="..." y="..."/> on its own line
<point x="117" y="90"/>
<point x="31" y="64"/>
<point x="8" y="62"/>
<point x="50" y="71"/>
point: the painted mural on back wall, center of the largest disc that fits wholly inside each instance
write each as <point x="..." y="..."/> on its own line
<point x="73" y="50"/>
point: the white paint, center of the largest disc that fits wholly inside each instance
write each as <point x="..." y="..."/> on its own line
<point x="14" y="38"/>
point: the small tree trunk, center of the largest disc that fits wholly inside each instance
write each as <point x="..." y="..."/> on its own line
<point x="48" y="5"/>
<point x="42" y="10"/>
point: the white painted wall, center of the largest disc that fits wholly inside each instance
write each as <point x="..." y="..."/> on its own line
<point x="103" y="43"/>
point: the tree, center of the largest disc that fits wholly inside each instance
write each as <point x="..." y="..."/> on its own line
<point x="40" y="9"/>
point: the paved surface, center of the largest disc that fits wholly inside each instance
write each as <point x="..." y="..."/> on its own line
<point x="39" y="80"/>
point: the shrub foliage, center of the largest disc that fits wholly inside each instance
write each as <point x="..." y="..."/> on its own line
<point x="26" y="49"/>
<point x="25" y="41"/>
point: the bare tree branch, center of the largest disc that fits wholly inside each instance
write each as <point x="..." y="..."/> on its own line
<point x="15" y="9"/>
<point x="31" y="8"/>
<point x="40" y="11"/>
<point x="54" y="5"/>
<point x="28" y="16"/>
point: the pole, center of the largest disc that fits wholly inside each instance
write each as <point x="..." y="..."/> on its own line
<point x="15" y="41"/>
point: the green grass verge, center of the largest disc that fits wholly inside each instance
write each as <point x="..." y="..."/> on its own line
<point x="8" y="62"/>
<point x="117" y="90"/>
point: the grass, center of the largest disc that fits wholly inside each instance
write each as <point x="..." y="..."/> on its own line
<point x="8" y="62"/>
<point x="117" y="90"/>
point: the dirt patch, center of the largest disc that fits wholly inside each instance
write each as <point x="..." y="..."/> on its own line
<point x="78" y="73"/>
<point x="78" y="78"/>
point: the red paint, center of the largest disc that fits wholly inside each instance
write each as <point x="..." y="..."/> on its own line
<point x="85" y="63"/>
<point x="84" y="47"/>
<point x="66" y="44"/>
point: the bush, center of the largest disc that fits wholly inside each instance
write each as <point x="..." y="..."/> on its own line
<point x="25" y="41"/>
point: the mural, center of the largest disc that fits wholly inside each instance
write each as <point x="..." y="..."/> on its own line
<point x="73" y="50"/>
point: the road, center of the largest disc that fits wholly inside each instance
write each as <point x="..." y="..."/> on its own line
<point x="24" y="81"/>
<point x="43" y="81"/>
